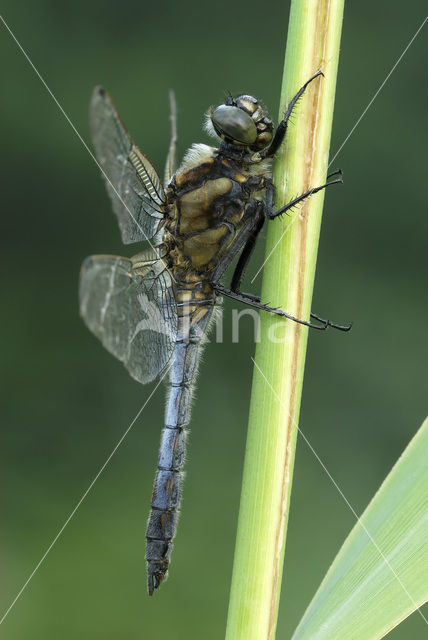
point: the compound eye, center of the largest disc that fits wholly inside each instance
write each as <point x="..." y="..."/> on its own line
<point x="234" y="123"/>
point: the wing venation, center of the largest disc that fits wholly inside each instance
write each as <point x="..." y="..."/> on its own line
<point x="132" y="183"/>
<point x="132" y="310"/>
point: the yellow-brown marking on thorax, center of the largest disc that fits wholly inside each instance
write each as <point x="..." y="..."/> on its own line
<point x="196" y="205"/>
<point x="201" y="248"/>
<point x="194" y="174"/>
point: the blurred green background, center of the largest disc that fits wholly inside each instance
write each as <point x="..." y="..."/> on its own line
<point x="66" y="402"/>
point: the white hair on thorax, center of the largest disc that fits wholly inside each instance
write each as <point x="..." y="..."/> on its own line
<point x="197" y="154"/>
<point x="208" y="125"/>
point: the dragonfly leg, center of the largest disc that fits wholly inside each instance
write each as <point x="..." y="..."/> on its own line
<point x="252" y="298"/>
<point x="254" y="301"/>
<point x="247" y="250"/>
<point x="340" y="327"/>
<point x="269" y="195"/>
<point x="282" y="127"/>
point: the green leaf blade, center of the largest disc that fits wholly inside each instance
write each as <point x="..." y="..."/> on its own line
<point x="380" y="575"/>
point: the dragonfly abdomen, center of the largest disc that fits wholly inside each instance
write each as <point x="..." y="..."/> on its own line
<point x="166" y="497"/>
<point x="162" y="525"/>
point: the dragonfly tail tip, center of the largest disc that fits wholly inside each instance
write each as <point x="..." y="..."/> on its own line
<point x="155" y="576"/>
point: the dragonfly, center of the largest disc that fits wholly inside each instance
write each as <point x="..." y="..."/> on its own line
<point x="153" y="310"/>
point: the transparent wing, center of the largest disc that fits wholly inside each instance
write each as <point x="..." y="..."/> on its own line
<point x="172" y="151"/>
<point x="132" y="183"/>
<point x="130" y="307"/>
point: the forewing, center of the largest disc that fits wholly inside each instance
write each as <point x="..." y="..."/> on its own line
<point x="172" y="151"/>
<point x="132" y="183"/>
<point x="132" y="311"/>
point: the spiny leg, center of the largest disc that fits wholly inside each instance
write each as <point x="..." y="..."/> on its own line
<point x="250" y="297"/>
<point x="269" y="196"/>
<point x="254" y="301"/>
<point x="247" y="250"/>
<point x="281" y="129"/>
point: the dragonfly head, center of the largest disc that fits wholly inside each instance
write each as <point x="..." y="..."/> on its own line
<point x="242" y="122"/>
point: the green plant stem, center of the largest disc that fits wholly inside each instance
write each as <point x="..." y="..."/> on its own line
<point x="292" y="243"/>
